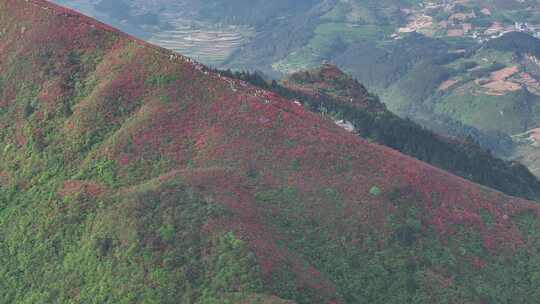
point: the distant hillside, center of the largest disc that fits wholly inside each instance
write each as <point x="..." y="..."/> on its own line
<point x="130" y="174"/>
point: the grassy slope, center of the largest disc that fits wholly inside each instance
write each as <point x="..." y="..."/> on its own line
<point x="130" y="175"/>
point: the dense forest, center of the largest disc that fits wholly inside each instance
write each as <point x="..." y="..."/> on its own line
<point x="516" y="42"/>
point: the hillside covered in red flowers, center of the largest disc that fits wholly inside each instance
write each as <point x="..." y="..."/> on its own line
<point x="130" y="174"/>
<point x="332" y="93"/>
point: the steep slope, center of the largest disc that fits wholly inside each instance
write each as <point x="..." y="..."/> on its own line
<point x="428" y="60"/>
<point x="336" y="95"/>
<point x="130" y="174"/>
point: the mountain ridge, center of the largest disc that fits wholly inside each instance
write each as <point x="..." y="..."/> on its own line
<point x="340" y="98"/>
<point x="126" y="177"/>
<point x="390" y="47"/>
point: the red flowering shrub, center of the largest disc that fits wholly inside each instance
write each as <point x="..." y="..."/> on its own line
<point x="132" y="115"/>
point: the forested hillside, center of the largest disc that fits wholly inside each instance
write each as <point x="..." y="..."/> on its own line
<point x="465" y="68"/>
<point x="341" y="98"/>
<point x="131" y="174"/>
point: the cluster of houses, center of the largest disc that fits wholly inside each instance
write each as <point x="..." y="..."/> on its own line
<point x="459" y="24"/>
<point x="528" y="28"/>
<point x="497" y="30"/>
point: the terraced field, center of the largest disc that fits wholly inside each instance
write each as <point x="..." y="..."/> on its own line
<point x="175" y="29"/>
<point x="205" y="43"/>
